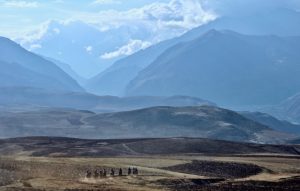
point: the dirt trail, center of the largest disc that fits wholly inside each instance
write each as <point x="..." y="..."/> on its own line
<point x="60" y="174"/>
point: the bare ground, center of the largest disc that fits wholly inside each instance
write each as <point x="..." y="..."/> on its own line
<point x="156" y="173"/>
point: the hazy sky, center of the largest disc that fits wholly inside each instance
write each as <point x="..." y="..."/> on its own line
<point x="20" y="16"/>
<point x="17" y="16"/>
<point x="86" y="26"/>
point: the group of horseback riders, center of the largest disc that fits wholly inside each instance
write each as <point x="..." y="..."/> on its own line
<point x="103" y="172"/>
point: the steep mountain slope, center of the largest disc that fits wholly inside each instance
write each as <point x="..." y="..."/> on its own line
<point x="205" y="121"/>
<point x="23" y="98"/>
<point x="114" y="80"/>
<point x="28" y="69"/>
<point x="272" y="122"/>
<point x="67" y="68"/>
<point x="288" y="110"/>
<point x="12" y="75"/>
<point x="80" y="45"/>
<point x="226" y="67"/>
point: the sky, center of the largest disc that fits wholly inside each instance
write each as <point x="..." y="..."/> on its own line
<point x="28" y="20"/>
<point x="128" y="25"/>
<point x="124" y="27"/>
<point x="20" y="16"/>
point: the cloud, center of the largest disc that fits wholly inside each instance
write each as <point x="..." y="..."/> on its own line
<point x="34" y="35"/>
<point x="20" y="4"/>
<point x="149" y="24"/>
<point x="105" y="2"/>
<point x="132" y="47"/>
<point x="165" y="20"/>
<point x="56" y="30"/>
<point x="59" y="1"/>
<point x="88" y="49"/>
<point x="35" y="46"/>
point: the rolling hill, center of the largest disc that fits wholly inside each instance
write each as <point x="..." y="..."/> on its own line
<point x="202" y="121"/>
<point x="226" y="67"/>
<point x="28" y="98"/>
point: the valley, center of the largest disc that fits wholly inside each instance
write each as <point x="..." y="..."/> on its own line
<point x="165" y="95"/>
<point x="275" y="168"/>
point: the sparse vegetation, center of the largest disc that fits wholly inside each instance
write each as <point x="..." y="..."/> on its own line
<point x="229" y="170"/>
<point x="176" y="171"/>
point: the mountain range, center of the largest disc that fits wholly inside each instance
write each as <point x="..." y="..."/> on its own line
<point x="234" y="62"/>
<point x="113" y="81"/>
<point x="20" y="67"/>
<point x="228" y="68"/>
<point x="80" y="45"/>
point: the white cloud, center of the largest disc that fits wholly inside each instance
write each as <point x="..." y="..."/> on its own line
<point x="88" y="49"/>
<point x="20" y="4"/>
<point x="34" y="35"/>
<point x="132" y="47"/>
<point x="163" y="20"/>
<point x="56" y="30"/>
<point x="150" y="24"/>
<point x="35" y="46"/>
<point x="59" y="1"/>
<point x="103" y="2"/>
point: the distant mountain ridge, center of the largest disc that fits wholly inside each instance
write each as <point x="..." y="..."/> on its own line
<point x="67" y="68"/>
<point x="227" y="67"/>
<point x="25" y="98"/>
<point x="289" y="109"/>
<point x="272" y="122"/>
<point x="20" y="67"/>
<point x="113" y="81"/>
<point x="80" y="45"/>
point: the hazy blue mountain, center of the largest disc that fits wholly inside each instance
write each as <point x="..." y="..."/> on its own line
<point x="24" y="98"/>
<point x="295" y="141"/>
<point x="205" y="122"/>
<point x="20" y="67"/>
<point x="288" y="110"/>
<point x="272" y="122"/>
<point x="12" y="75"/>
<point x="81" y="45"/>
<point x="278" y="21"/>
<point x="226" y="67"/>
<point x="113" y="81"/>
<point x="67" y="68"/>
